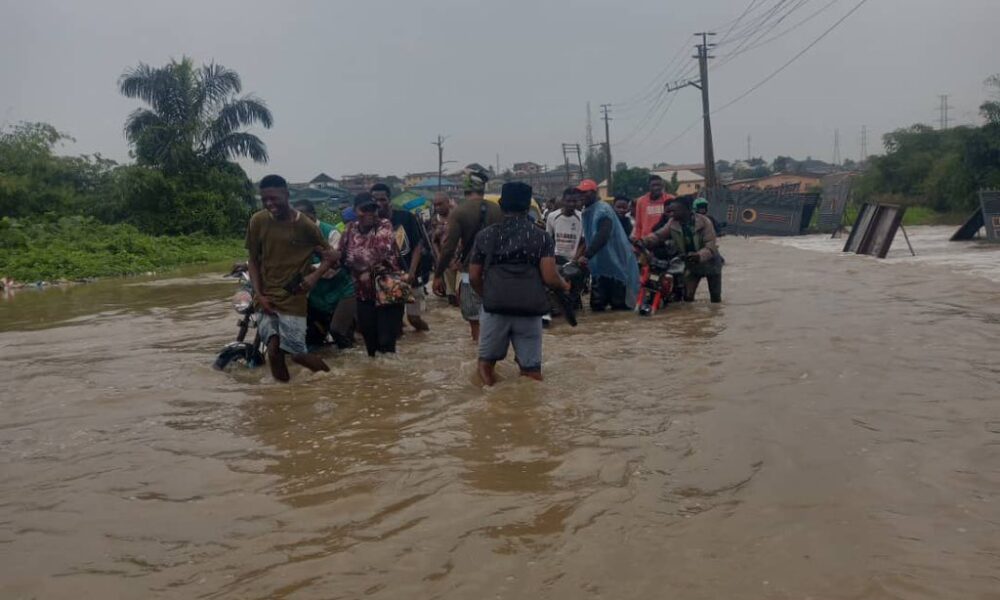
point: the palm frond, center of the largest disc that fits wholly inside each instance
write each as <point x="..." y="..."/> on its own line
<point x="218" y="83"/>
<point x="237" y="145"/>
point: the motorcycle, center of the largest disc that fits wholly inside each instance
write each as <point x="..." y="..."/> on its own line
<point x="240" y="352"/>
<point x="661" y="278"/>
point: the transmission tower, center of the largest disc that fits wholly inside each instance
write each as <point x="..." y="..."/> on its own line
<point x="864" y="144"/>
<point x="836" y="147"/>
<point x="943" y="110"/>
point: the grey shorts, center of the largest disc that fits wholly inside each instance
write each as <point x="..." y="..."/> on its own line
<point x="469" y="301"/>
<point x="498" y="332"/>
<point x="291" y="331"/>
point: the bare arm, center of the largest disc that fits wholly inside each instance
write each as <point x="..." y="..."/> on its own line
<point x="476" y="278"/>
<point x="451" y="239"/>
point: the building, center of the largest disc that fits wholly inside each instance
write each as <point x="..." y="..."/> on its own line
<point x="790" y="182"/>
<point x="412" y="179"/>
<point x="322" y="180"/>
<point x="527" y="168"/>
<point x="362" y="182"/>
<point x="430" y="185"/>
<point x="688" y="182"/>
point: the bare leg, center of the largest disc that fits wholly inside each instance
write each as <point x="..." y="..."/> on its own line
<point x="536" y="375"/>
<point x="474" y="327"/>
<point x="311" y="362"/>
<point x="487" y="372"/>
<point x="276" y="358"/>
<point x="418" y="323"/>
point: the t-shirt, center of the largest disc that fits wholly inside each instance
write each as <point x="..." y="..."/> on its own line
<point x="515" y="240"/>
<point x="627" y="223"/>
<point x="648" y="212"/>
<point x="464" y="222"/>
<point x="567" y="231"/>
<point x="283" y="250"/>
<point x="335" y="284"/>
<point x="408" y="235"/>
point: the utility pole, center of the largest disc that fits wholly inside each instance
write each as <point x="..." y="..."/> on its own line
<point x="864" y="144"/>
<point x="590" y="128"/>
<point x="440" y="145"/>
<point x="711" y="181"/>
<point x="749" y="155"/>
<point x="497" y="173"/>
<point x="606" y="110"/>
<point x="836" y="147"/>
<point x="943" y="109"/>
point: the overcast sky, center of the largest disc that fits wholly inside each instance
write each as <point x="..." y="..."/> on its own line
<point x="366" y="86"/>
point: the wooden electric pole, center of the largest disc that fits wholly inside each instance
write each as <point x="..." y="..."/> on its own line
<point x="440" y="144"/>
<point x="711" y="181"/>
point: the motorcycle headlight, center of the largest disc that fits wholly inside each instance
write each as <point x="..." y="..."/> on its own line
<point x="242" y="301"/>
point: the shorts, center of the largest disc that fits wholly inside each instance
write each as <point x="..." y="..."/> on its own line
<point x="416" y="308"/>
<point x="290" y="329"/>
<point x="469" y="300"/>
<point x="498" y="332"/>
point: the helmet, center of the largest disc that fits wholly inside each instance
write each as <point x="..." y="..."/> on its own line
<point x="699" y="203"/>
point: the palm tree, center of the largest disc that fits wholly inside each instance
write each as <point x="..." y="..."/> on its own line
<point x="194" y="115"/>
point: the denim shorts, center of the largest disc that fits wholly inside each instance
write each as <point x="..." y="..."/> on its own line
<point x="498" y="332"/>
<point x="290" y="329"/>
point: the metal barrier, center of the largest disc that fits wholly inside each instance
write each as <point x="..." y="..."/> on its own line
<point x="836" y="194"/>
<point x="762" y="212"/>
<point x="874" y="229"/>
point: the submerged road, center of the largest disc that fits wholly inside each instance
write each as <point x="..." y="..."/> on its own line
<point x="831" y="431"/>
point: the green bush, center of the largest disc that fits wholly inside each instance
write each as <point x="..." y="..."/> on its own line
<point x="80" y="247"/>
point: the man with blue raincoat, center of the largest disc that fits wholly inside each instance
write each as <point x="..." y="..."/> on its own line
<point x="613" y="267"/>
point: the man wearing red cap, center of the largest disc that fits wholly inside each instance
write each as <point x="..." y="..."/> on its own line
<point x="649" y="208"/>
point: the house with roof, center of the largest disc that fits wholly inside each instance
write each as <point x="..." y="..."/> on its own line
<point x="688" y="182"/>
<point x="790" y="182"/>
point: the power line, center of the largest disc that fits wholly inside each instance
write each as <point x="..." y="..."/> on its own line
<point x="765" y="28"/>
<point x="782" y="34"/>
<point x="793" y="59"/>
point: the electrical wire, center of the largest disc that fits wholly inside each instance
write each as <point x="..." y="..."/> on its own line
<point x="759" y="84"/>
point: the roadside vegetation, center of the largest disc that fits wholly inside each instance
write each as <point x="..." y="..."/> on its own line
<point x="183" y="200"/>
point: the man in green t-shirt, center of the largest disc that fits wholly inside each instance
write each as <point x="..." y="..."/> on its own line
<point x="332" y="307"/>
<point x="280" y="242"/>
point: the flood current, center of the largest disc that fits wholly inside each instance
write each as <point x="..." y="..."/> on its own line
<point x="832" y="430"/>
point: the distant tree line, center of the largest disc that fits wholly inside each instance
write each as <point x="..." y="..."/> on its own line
<point x="942" y="169"/>
<point x="184" y="143"/>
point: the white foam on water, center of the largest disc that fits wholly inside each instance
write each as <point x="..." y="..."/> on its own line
<point x="932" y="246"/>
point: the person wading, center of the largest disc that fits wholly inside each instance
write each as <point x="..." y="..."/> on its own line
<point x="511" y="264"/>
<point x="443" y="206"/>
<point x="694" y="236"/>
<point x="649" y="208"/>
<point x="613" y="267"/>
<point x="464" y="222"/>
<point x="412" y="248"/>
<point x="369" y="250"/>
<point x="332" y="308"/>
<point x="280" y="242"/>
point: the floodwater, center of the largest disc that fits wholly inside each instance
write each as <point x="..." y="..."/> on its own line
<point x="831" y="431"/>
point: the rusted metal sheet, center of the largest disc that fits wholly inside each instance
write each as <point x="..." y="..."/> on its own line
<point x="874" y="229"/>
<point x="836" y="194"/>
<point x="763" y="212"/>
<point x="970" y="228"/>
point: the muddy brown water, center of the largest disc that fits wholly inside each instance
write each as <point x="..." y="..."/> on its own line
<point x="831" y="431"/>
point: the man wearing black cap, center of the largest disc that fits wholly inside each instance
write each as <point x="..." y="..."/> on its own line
<point x="471" y="216"/>
<point x="280" y="242"/>
<point x="511" y="264"/>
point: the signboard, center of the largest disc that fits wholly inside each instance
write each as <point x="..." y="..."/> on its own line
<point x="990" y="202"/>
<point x="836" y="194"/>
<point x="762" y="212"/>
<point x="874" y="229"/>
